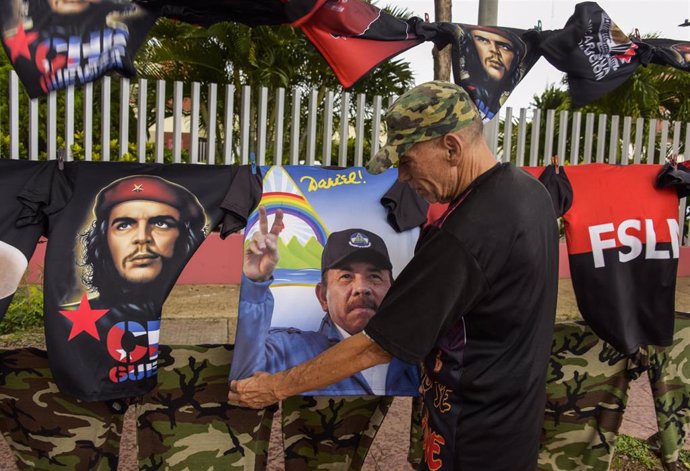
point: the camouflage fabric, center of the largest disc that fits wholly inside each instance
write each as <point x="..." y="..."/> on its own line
<point x="670" y="381"/>
<point x="186" y="422"/>
<point x="427" y="111"/>
<point x="47" y="430"/>
<point x="416" y="451"/>
<point x="333" y="433"/>
<point x="587" y="392"/>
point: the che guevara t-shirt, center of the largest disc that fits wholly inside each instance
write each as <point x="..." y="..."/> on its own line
<point x="115" y="250"/>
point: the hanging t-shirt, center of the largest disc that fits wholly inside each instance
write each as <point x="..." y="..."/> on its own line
<point x="623" y="246"/>
<point x="17" y="244"/>
<point x="53" y="44"/>
<point x="114" y="252"/>
<point x="281" y="322"/>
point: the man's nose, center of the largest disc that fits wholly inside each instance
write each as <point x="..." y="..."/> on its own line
<point x="143" y="234"/>
<point x="362" y="285"/>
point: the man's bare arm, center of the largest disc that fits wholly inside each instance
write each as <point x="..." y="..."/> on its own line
<point x="343" y="360"/>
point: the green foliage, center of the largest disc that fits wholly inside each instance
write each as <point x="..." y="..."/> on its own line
<point x="25" y="311"/>
<point x="264" y="56"/>
<point x="636" y="450"/>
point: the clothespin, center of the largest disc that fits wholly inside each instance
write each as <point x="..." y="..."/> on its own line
<point x="252" y="161"/>
<point x="556" y="162"/>
<point x="673" y="161"/>
<point x="537" y="27"/>
<point x="636" y="34"/>
<point x="61" y="159"/>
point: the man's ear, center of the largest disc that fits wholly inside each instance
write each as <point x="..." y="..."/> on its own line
<point x="321" y="296"/>
<point x="454" y="145"/>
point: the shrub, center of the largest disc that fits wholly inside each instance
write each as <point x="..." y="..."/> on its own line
<point x="25" y="311"/>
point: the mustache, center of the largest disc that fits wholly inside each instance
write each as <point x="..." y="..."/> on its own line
<point x="362" y="303"/>
<point x="141" y="255"/>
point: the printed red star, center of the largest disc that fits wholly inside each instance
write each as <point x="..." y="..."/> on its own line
<point x="19" y="43"/>
<point x="84" y="319"/>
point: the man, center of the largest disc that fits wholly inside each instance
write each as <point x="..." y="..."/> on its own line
<point x="355" y="276"/>
<point x="476" y="304"/>
<point x="144" y="229"/>
<point x="490" y="65"/>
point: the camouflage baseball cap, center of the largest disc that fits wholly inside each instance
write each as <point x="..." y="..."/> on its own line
<point x="428" y="111"/>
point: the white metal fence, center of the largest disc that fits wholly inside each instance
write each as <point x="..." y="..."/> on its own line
<point x="117" y="118"/>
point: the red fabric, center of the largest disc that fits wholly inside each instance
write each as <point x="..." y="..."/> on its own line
<point x="629" y="193"/>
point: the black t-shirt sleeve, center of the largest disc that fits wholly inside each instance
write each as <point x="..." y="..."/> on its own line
<point x="677" y="177"/>
<point x="556" y="182"/>
<point x="442" y="282"/>
<point x="47" y="192"/>
<point x="242" y="198"/>
<point x="405" y="209"/>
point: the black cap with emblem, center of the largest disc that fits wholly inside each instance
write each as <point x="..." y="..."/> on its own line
<point x="354" y="245"/>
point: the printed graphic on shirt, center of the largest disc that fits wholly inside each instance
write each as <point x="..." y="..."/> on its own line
<point x="338" y="256"/>
<point x="623" y="245"/>
<point x="53" y="44"/>
<point x="114" y="253"/>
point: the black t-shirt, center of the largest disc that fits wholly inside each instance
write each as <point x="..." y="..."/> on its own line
<point x="623" y="249"/>
<point x="17" y="242"/>
<point x="115" y="249"/>
<point x="477" y="304"/>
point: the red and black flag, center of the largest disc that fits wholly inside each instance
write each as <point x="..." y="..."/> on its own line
<point x="354" y="37"/>
<point x="488" y="61"/>
<point x="53" y="44"/>
<point x="595" y="53"/>
<point x="623" y="246"/>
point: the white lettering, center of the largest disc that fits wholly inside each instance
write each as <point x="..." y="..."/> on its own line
<point x="650" y="250"/>
<point x="599" y="244"/>
<point x="674" y="230"/>
<point x="629" y="240"/>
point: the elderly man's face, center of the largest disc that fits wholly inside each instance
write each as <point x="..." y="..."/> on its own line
<point x="353" y="293"/>
<point x="425" y="168"/>
<point x="70" y="6"/>
<point x="141" y="234"/>
<point x="495" y="53"/>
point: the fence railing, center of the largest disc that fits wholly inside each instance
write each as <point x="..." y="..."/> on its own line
<point x="117" y="119"/>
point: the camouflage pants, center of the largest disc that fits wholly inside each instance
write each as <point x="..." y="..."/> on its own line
<point x="587" y="392"/>
<point x="184" y="423"/>
<point x="47" y="430"/>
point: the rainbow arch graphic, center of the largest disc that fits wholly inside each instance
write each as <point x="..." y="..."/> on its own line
<point x="281" y="192"/>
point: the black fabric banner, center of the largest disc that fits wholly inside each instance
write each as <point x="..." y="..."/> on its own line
<point x="249" y="12"/>
<point x="671" y="52"/>
<point x="595" y="53"/>
<point x="53" y="44"/>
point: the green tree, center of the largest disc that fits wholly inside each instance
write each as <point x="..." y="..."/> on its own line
<point x="655" y="91"/>
<point x="264" y="56"/>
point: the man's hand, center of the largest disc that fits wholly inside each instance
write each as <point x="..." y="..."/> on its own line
<point x="261" y="255"/>
<point x="255" y="392"/>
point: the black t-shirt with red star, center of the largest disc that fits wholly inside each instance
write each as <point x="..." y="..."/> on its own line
<point x="115" y="249"/>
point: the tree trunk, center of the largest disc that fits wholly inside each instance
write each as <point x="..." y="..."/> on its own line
<point x="442" y="12"/>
